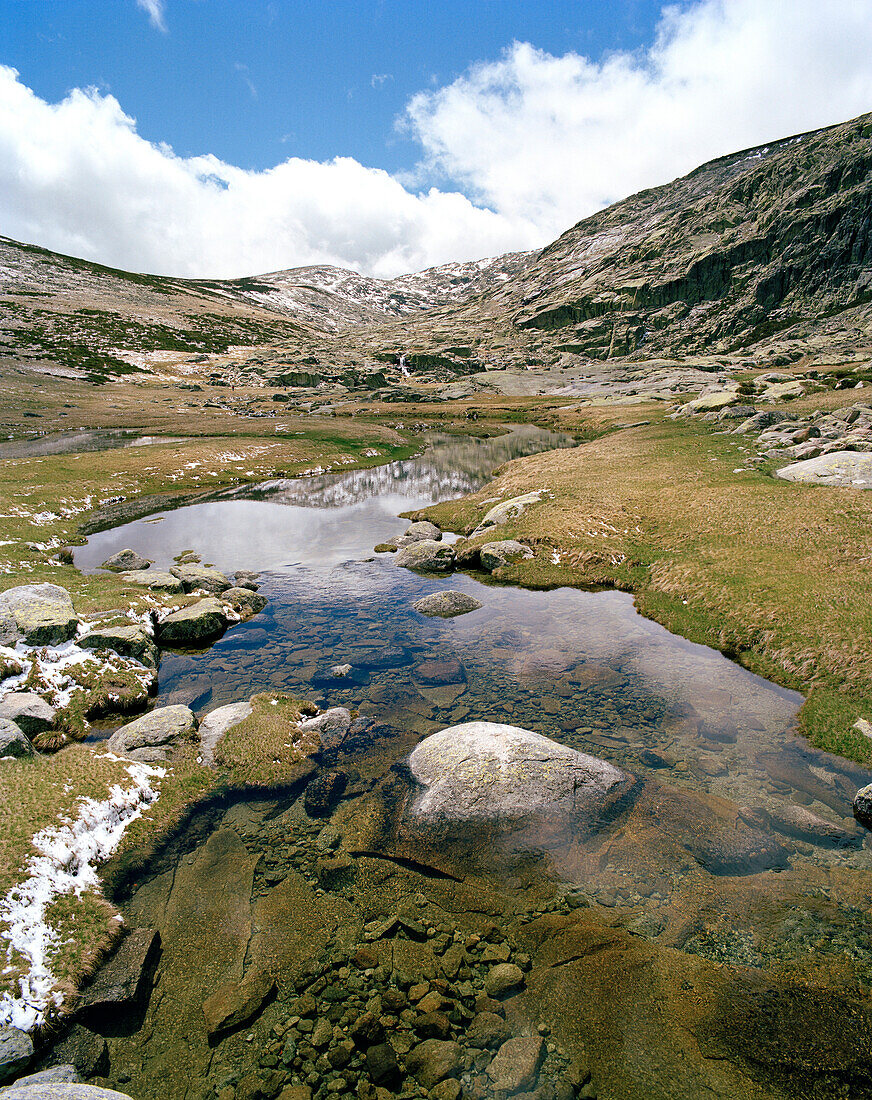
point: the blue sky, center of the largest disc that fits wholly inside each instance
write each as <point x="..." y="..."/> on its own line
<point x="231" y="137"/>
<point x="257" y="81"/>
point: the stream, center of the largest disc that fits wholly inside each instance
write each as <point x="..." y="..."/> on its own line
<point x="712" y="746"/>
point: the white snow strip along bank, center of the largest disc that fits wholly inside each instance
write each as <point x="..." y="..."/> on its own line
<point x="67" y="863"/>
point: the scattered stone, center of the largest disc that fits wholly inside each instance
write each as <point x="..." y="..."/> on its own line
<point x="31" y="713"/>
<point x="331" y="870"/>
<point x="440" y="670"/>
<point x="128" y="641"/>
<point x="158" y="580"/>
<point x="434" y="1060"/>
<point x="445" y="605"/>
<point x="381" y="1063"/>
<point x="332" y="727"/>
<point x="839" y="469"/>
<point x="508" y="509"/>
<point x="244" y="601"/>
<point x="502" y="979"/>
<point x="198" y="623"/>
<point x="427" y="556"/>
<point x="125" y="560"/>
<point x="863" y="806"/>
<point x="516" y="1064"/>
<point x="418" y="532"/>
<point x="709" y="402"/>
<point x="864" y="727"/>
<point x="146" y="738"/>
<point x="432" y="1025"/>
<point x="84" y="1049"/>
<point x="123" y="984"/>
<point x="367" y="1030"/>
<point x="245" y="578"/>
<point x="194" y="577"/>
<point x="16" y="1050"/>
<point x="487" y="1030"/>
<point x="323" y="793"/>
<point x="13" y="740"/>
<point x="494" y="555"/>
<point x="216" y="724"/>
<point x="43" y="614"/>
<point x="236" y="1003"/>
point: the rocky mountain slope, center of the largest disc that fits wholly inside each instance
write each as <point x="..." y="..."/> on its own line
<point x="760" y="257"/>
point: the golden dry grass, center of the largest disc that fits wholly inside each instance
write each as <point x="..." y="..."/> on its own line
<point x="776" y="574"/>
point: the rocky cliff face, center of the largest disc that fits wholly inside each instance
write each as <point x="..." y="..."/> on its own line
<point x="773" y="240"/>
<point x="763" y="256"/>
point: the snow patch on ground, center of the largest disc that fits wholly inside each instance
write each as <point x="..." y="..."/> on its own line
<point x="66" y="864"/>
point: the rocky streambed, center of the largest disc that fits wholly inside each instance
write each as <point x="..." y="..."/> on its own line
<point x="540" y="847"/>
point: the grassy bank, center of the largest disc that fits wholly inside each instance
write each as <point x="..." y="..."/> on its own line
<point x="776" y="575"/>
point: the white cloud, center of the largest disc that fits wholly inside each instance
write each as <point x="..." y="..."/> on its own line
<point x="533" y="141"/>
<point x="551" y="139"/>
<point x="77" y="177"/>
<point x="154" y="9"/>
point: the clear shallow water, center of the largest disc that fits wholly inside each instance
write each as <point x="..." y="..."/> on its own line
<point x="582" y="667"/>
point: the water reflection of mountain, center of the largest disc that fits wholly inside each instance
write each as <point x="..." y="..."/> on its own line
<point x="451" y="466"/>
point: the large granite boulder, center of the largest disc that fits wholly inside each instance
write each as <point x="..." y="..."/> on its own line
<point x="863" y="806"/>
<point x="201" y="577"/>
<point x="30" y="712"/>
<point x="60" y="1090"/>
<point x="426" y="556"/>
<point x="490" y="771"/>
<point x="200" y="622"/>
<point x="43" y="614"/>
<point x="158" y="580"/>
<point x="493" y="555"/>
<point x="16" y="1050"/>
<point x="447" y="604"/>
<point x="124" y="560"/>
<point x="13" y="740"/>
<point x="60" y="1074"/>
<point x="839" y="469"/>
<point x="148" y="737"/>
<point x="127" y="641"/>
<point x="216" y="723"/>
<point x="508" y="509"/>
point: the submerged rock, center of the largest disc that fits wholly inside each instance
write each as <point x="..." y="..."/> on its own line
<point x="332" y="727"/>
<point x="30" y="712"/>
<point x="201" y="622"/>
<point x="516" y="1065"/>
<point x="445" y="605"/>
<point x="427" y="556"/>
<point x="493" y="555"/>
<point x="147" y="737"/>
<point x="236" y="1003"/>
<point x="124" y="560"/>
<point x="324" y="792"/>
<point x="42" y="614"/>
<point x="486" y="770"/>
<point x="123" y="984"/>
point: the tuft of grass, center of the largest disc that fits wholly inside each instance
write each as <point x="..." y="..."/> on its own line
<point x="267" y="746"/>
